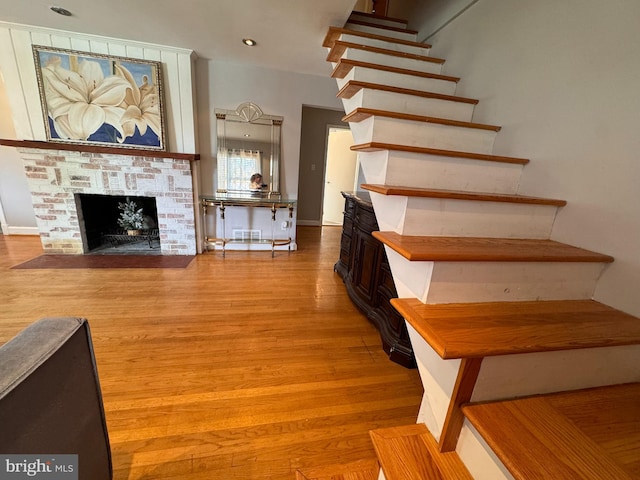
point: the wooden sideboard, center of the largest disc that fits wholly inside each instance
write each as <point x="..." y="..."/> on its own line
<point x="364" y="268"/>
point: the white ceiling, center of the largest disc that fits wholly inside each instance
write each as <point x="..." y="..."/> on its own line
<point x="289" y="32"/>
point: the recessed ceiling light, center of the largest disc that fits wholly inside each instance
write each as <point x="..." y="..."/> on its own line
<point x="249" y="42"/>
<point x="61" y="11"/>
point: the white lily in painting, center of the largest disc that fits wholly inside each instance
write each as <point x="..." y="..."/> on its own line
<point x="141" y="104"/>
<point x="80" y="100"/>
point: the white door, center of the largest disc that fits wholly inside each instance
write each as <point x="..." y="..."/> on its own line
<point x="340" y="174"/>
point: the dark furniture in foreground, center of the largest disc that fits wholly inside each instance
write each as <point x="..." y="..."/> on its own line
<point x="50" y="398"/>
<point x="364" y="267"/>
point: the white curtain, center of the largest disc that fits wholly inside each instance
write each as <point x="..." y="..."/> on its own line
<point x="237" y="166"/>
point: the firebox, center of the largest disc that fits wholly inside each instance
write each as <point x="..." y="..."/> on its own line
<point x="101" y="231"/>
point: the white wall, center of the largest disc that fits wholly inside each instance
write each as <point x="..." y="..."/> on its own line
<point x="227" y="85"/>
<point x="562" y="79"/>
<point x="18" y="70"/>
<point x="429" y="16"/>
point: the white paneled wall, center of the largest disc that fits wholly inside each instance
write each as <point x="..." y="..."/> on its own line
<point x="18" y="68"/>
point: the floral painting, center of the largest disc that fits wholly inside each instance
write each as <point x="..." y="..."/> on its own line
<point x="97" y="99"/>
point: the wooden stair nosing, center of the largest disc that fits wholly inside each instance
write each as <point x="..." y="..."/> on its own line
<point x="564" y="435"/>
<point x="377" y="146"/>
<point x="382" y="27"/>
<point x="362" y="113"/>
<point x="339" y="47"/>
<point x="353" y="86"/>
<point x="335" y="32"/>
<point x="460" y="195"/>
<point x="411" y="453"/>
<point x="479" y="249"/>
<point x="344" y="65"/>
<point x="475" y="330"/>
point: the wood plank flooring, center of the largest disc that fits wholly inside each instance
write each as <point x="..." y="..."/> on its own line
<point x="244" y="367"/>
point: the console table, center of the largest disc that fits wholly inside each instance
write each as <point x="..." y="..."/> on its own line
<point x="364" y="268"/>
<point x="221" y="201"/>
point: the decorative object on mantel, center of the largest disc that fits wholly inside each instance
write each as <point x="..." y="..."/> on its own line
<point x="131" y="217"/>
<point x="95" y="99"/>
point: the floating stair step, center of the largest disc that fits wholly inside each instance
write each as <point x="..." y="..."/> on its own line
<point x="379" y="19"/>
<point x="353" y="86"/>
<point x="458" y="195"/>
<point x="591" y="434"/>
<point x="367" y="27"/>
<point x="360" y="470"/>
<point x="391" y="28"/>
<point x="336" y="33"/>
<point x="367" y="53"/>
<point x="346" y="69"/>
<point x="356" y="94"/>
<point x="425" y="211"/>
<point x="411" y="453"/>
<point x="422" y="167"/>
<point x="470" y="249"/>
<point x="377" y="146"/>
<point x="372" y="125"/>
<point x="469" y="330"/>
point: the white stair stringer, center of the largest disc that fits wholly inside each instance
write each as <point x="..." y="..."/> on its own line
<point x="465" y="218"/>
<point x="382" y="129"/>
<point x="445" y="85"/>
<point x="473" y="281"/>
<point x="394" y="167"/>
<point x="399" y="61"/>
<point x="411" y="37"/>
<point x="412" y="104"/>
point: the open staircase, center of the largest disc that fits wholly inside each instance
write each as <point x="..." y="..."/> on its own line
<point x="500" y="316"/>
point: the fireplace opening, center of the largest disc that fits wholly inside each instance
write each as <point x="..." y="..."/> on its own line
<point x="102" y="233"/>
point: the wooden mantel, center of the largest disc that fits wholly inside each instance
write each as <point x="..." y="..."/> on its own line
<point x="134" y="152"/>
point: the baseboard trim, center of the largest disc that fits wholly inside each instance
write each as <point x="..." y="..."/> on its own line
<point x="9" y="230"/>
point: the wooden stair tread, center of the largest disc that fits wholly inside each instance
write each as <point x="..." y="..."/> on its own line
<point x="460" y="195"/>
<point x="475" y="249"/>
<point x="411" y="453"/>
<point x="339" y="47"/>
<point x="361" y="113"/>
<point x="360" y="470"/>
<point x="470" y="330"/>
<point x="591" y="434"/>
<point x="354" y="86"/>
<point x="377" y="146"/>
<point x="382" y="27"/>
<point x="334" y="34"/>
<point x="344" y="65"/>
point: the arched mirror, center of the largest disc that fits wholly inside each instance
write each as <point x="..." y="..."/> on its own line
<point x="248" y="151"/>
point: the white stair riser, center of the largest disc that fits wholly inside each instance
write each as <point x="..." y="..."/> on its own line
<point x="360" y="55"/>
<point x="481" y="462"/>
<point x="464" y="218"/>
<point x="399" y="102"/>
<point x="378" y="20"/>
<point x="422" y="134"/>
<point x="436" y="171"/>
<point x="412" y="37"/>
<point x="393" y="79"/>
<point x="397" y="47"/>
<point x="464" y="282"/>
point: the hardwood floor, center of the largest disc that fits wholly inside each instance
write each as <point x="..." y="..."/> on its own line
<point x="244" y="367"/>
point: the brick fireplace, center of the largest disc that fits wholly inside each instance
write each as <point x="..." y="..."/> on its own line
<point x="56" y="177"/>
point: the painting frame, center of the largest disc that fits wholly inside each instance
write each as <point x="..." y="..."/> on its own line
<point x="101" y="100"/>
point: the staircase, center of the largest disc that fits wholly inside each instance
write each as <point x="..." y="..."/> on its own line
<point x="500" y="316"/>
